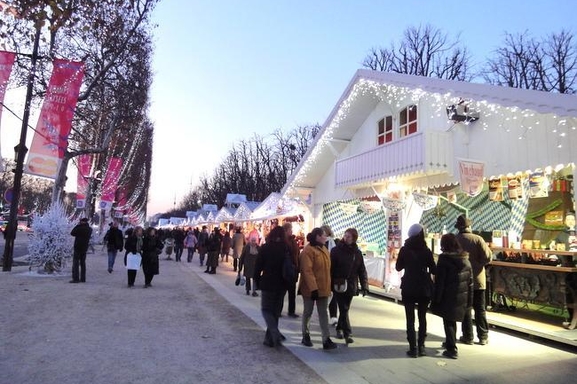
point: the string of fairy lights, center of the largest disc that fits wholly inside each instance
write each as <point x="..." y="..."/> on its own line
<point x="524" y="120"/>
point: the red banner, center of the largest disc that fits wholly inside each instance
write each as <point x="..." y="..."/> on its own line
<point x="84" y="165"/>
<point x="51" y="137"/>
<point x="6" y="62"/>
<point x="110" y="183"/>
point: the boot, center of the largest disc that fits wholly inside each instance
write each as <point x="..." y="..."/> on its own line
<point x="422" y="350"/>
<point x="412" y="339"/>
<point x="306" y="341"/>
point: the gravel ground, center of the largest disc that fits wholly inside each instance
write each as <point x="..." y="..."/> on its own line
<point x="179" y="331"/>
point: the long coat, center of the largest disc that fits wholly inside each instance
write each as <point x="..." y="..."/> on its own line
<point x="151" y="247"/>
<point x="347" y="263"/>
<point x="417" y="261"/>
<point x="479" y="255"/>
<point x="453" y="286"/>
<point x="248" y="260"/>
<point x="238" y="243"/>
<point x="268" y="266"/>
<point x="315" y="269"/>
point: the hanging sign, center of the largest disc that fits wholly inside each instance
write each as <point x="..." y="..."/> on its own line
<point x="471" y="173"/>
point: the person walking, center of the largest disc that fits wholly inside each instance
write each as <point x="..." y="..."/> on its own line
<point x="202" y="243"/>
<point x="330" y="244"/>
<point x="294" y="255"/>
<point x="416" y="286"/>
<point x="225" y="247"/>
<point x="479" y="255"/>
<point x="247" y="264"/>
<point x="114" y="243"/>
<point x="315" y="286"/>
<point x="238" y="243"/>
<point x="269" y="278"/>
<point x="190" y="242"/>
<point x="347" y="270"/>
<point x="81" y="233"/>
<point x="151" y="248"/>
<point x="213" y="247"/>
<point x="133" y="244"/>
<point x="453" y="292"/>
<point x="178" y="235"/>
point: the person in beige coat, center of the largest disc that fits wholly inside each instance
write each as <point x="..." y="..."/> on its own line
<point x="315" y="285"/>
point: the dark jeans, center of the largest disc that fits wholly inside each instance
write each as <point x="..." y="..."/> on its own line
<point x="450" y="335"/>
<point x="190" y="254"/>
<point x="178" y="252"/>
<point x="333" y="307"/>
<point x="235" y="263"/>
<point x="480" y="318"/>
<point x="131" y="276"/>
<point x="271" y="308"/>
<point x="422" y="304"/>
<point x="344" y="302"/>
<point x="292" y="289"/>
<point x="79" y="266"/>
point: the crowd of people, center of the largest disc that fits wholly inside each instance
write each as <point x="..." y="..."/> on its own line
<point x="327" y="273"/>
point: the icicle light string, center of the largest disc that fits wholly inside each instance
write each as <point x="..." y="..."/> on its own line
<point x="397" y="96"/>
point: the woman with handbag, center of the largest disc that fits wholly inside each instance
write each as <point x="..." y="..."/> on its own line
<point x="315" y="285"/>
<point x="416" y="285"/>
<point x="347" y="268"/>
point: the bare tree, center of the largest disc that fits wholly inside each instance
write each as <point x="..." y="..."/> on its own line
<point x="112" y="38"/>
<point x="255" y="167"/>
<point x="423" y="51"/>
<point x="548" y="64"/>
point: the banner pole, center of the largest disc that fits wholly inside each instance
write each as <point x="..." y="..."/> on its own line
<point x="11" y="228"/>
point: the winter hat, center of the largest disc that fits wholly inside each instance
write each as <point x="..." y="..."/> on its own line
<point x="415" y="229"/>
<point x="462" y="222"/>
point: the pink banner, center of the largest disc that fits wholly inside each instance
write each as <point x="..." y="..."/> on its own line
<point x="6" y="62"/>
<point x="84" y="165"/>
<point x="110" y="183"/>
<point x="51" y="137"/>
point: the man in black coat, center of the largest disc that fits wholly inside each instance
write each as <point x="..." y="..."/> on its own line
<point x="114" y="243"/>
<point x="81" y="233"/>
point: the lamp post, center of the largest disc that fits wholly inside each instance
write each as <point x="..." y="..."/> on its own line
<point x="20" y="150"/>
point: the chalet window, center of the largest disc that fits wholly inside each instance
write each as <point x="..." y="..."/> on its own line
<point x="408" y="121"/>
<point x="385" y="134"/>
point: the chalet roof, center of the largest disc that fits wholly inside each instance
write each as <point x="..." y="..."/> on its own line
<point x="368" y="88"/>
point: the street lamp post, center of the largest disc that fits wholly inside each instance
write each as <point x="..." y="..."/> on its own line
<point x="20" y="150"/>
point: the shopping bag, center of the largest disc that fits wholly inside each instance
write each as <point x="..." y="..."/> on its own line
<point x="133" y="261"/>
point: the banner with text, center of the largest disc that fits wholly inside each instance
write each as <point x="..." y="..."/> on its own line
<point x="110" y="183"/>
<point x="51" y="137"/>
<point x="84" y="164"/>
<point x="471" y="173"/>
<point x="6" y="62"/>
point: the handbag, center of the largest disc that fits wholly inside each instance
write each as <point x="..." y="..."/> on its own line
<point x="340" y="285"/>
<point x="242" y="280"/>
<point x="237" y="281"/>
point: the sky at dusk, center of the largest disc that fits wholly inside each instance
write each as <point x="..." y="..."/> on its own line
<point x="225" y="70"/>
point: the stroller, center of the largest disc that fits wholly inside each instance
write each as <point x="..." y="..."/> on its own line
<point x="168" y="247"/>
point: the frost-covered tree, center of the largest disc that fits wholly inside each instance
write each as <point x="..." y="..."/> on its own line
<point x="50" y="244"/>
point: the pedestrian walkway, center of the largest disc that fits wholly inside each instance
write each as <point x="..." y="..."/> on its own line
<point x="192" y="327"/>
<point x="378" y="353"/>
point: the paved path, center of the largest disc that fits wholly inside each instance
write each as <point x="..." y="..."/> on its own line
<point x="191" y="327"/>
